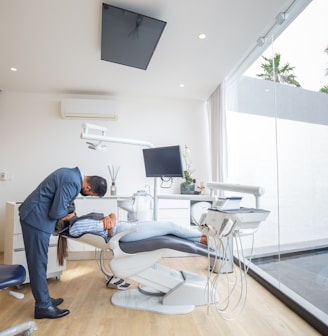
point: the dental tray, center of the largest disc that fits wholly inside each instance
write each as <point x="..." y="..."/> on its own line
<point x="243" y="220"/>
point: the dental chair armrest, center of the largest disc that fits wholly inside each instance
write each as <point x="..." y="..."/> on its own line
<point x="98" y="241"/>
<point x="114" y="242"/>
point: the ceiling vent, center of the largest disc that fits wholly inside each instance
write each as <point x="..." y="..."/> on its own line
<point x="80" y="108"/>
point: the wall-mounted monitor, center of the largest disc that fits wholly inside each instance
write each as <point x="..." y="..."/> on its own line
<point x="127" y="37"/>
<point x="163" y="162"/>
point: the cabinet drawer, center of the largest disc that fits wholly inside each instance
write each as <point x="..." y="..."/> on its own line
<point x="178" y="216"/>
<point x="14" y="249"/>
<point x="53" y="240"/>
<point x="18" y="242"/>
<point x="173" y="204"/>
<point x="53" y="266"/>
<point x="17" y="225"/>
<point x="172" y="210"/>
<point x="20" y="258"/>
<point x="170" y="214"/>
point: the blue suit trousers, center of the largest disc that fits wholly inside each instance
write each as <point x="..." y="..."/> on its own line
<point x="36" y="249"/>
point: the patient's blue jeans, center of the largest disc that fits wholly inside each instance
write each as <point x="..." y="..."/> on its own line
<point x="149" y="229"/>
<point x="144" y="229"/>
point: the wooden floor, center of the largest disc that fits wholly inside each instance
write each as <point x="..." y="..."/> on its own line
<point x="83" y="288"/>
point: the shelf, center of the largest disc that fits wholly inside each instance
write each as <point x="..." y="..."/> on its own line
<point x="190" y="197"/>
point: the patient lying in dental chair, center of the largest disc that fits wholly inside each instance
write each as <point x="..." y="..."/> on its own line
<point x="108" y="226"/>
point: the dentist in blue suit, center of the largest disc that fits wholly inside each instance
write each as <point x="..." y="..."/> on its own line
<point x="38" y="216"/>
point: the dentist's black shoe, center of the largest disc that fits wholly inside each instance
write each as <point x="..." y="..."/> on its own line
<point x="57" y="302"/>
<point x="51" y="312"/>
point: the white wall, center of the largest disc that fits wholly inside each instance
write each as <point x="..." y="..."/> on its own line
<point x="35" y="140"/>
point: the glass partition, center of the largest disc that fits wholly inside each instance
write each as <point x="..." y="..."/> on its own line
<point x="277" y="128"/>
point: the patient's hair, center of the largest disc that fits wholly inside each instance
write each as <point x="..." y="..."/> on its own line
<point x="62" y="250"/>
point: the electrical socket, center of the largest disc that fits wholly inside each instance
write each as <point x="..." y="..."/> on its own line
<point x="3" y="176"/>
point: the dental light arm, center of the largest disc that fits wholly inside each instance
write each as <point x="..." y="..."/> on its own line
<point x="86" y="135"/>
<point x="98" y="133"/>
<point x="256" y="191"/>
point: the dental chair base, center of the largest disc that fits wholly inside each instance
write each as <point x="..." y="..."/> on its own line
<point x="161" y="289"/>
<point x="166" y="290"/>
<point x="188" y="290"/>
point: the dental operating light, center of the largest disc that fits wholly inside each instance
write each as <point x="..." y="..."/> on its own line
<point x="86" y="135"/>
<point x="98" y="147"/>
<point x="97" y="133"/>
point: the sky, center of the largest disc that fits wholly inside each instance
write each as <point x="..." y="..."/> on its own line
<point x="302" y="45"/>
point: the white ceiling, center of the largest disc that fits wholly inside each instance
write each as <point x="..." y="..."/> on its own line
<point x="55" y="45"/>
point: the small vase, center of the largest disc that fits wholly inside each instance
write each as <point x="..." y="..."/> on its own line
<point x="187" y="188"/>
<point x="113" y="189"/>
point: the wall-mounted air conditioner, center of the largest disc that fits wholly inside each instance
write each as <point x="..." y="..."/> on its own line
<point x="81" y="108"/>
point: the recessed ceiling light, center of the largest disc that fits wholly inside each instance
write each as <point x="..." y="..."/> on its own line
<point x="13" y="69"/>
<point x="181" y="85"/>
<point x="202" y="36"/>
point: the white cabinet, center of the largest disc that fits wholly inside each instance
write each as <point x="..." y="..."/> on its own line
<point x="14" y="252"/>
<point x="173" y="210"/>
<point x="179" y="208"/>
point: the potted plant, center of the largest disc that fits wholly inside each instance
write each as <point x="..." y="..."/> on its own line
<point x="188" y="185"/>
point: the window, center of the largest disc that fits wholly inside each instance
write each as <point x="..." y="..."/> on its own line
<point x="277" y="135"/>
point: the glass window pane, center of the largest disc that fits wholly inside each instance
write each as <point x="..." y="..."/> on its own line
<point x="277" y="126"/>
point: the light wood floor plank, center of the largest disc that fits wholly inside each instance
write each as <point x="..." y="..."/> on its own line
<point x="82" y="286"/>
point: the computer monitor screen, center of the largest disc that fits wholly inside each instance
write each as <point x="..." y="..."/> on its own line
<point x="163" y="161"/>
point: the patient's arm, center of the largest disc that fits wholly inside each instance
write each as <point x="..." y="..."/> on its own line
<point x="109" y="222"/>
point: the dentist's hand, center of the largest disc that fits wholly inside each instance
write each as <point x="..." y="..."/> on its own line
<point x="69" y="216"/>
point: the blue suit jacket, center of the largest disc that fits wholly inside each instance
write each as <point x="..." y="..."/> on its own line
<point x="49" y="201"/>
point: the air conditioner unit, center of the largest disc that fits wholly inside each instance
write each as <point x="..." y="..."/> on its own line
<point x="81" y="108"/>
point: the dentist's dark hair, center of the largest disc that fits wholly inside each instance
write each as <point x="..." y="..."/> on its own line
<point x="98" y="185"/>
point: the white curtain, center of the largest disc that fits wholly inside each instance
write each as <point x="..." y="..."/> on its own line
<point x="216" y="110"/>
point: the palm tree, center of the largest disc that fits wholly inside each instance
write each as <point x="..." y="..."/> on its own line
<point x="324" y="89"/>
<point x="326" y="51"/>
<point x="273" y="71"/>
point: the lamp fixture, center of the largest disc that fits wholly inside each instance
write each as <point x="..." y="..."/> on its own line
<point x="89" y="132"/>
<point x="261" y="41"/>
<point x="98" y="133"/>
<point x="98" y="146"/>
<point x="281" y="18"/>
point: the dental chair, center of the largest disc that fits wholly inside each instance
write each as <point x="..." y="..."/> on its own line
<point x="14" y="275"/>
<point x="165" y="290"/>
<point x="161" y="289"/>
